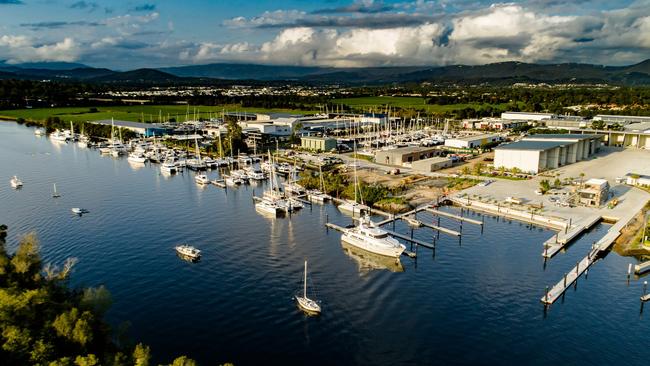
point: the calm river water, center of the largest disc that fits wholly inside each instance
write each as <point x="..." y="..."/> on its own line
<point x="476" y="302"/>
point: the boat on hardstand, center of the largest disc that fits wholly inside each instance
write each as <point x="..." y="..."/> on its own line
<point x="372" y="239"/>
<point x="188" y="252"/>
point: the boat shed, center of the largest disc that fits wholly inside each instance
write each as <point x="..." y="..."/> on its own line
<point x="542" y="152"/>
<point x="142" y="129"/>
<point x="431" y="164"/>
<point x="405" y="155"/>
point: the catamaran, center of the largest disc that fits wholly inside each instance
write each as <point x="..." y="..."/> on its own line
<point x="306" y="304"/>
<point x="16" y="183"/>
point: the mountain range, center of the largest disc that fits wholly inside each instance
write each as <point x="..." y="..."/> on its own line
<point x="503" y="73"/>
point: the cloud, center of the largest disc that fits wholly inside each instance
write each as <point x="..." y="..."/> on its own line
<point x="144" y="7"/>
<point x="24" y="49"/>
<point x="360" y="6"/>
<point x="84" y="5"/>
<point x="59" y="24"/>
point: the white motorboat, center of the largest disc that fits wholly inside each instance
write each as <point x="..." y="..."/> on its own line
<point x="188" y="251"/>
<point x="136" y="158"/>
<point x="16" y="183"/>
<point x="232" y="180"/>
<point x="372" y="239"/>
<point x="306" y="304"/>
<point x="201" y="179"/>
<point x="353" y="208"/>
<point x="168" y="167"/>
<point x="59" y="136"/>
<point x="39" y="132"/>
<point x="78" y="211"/>
<point x="255" y="173"/>
<point x="316" y="195"/>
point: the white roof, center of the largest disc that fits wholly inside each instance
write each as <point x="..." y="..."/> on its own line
<point x="596" y="182"/>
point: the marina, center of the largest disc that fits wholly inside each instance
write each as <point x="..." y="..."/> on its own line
<point x="363" y="304"/>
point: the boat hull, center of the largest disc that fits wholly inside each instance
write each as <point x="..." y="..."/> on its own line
<point x="308" y="305"/>
<point x="387" y="251"/>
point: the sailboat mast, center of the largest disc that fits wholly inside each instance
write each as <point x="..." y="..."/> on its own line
<point x="305" y="281"/>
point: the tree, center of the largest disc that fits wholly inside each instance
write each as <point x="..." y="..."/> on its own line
<point x="465" y="170"/>
<point x="184" y="361"/>
<point x="478" y="168"/>
<point x="544" y="186"/>
<point x="141" y="355"/>
<point x="557" y="183"/>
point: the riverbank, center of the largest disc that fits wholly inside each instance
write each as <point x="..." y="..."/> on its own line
<point x="630" y="242"/>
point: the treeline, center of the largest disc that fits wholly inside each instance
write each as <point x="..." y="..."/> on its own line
<point x="92" y="130"/>
<point x="44" y="322"/>
<point x="22" y="93"/>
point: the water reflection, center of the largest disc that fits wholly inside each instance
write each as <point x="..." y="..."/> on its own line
<point x="367" y="261"/>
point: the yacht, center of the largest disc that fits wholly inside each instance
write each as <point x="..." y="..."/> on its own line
<point x="373" y="239"/>
<point x="201" y="179"/>
<point x="306" y="304"/>
<point x="39" y="132"/>
<point x="316" y="195"/>
<point x="233" y="180"/>
<point x="59" y="136"/>
<point x="168" y="167"/>
<point x="353" y="208"/>
<point x="267" y="205"/>
<point x="255" y="173"/>
<point x="136" y="158"/>
<point x="16" y="183"/>
<point x="78" y="211"/>
<point x="188" y="251"/>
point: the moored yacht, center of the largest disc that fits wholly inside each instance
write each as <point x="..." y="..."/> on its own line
<point x="136" y="158"/>
<point x="39" y="132"/>
<point x="168" y="167"/>
<point x="306" y="304"/>
<point x="59" y="136"/>
<point x="373" y="239"/>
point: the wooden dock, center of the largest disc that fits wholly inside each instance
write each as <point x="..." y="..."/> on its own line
<point x="556" y="243"/>
<point x="642" y="268"/>
<point x="453" y="216"/>
<point x="597" y="251"/>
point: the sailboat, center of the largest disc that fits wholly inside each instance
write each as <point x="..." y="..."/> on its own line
<point x="55" y="194"/>
<point x="354" y="207"/>
<point x="196" y="163"/>
<point x="319" y="195"/>
<point x="306" y="304"/>
<point x="273" y="200"/>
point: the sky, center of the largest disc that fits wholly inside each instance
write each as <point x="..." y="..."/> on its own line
<point x="128" y="34"/>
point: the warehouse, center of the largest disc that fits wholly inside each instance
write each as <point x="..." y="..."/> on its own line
<point x="526" y="116"/>
<point x="472" y="142"/>
<point x="318" y="143"/>
<point x="542" y="152"/>
<point x="143" y="129"/>
<point x="405" y="155"/>
<point x="431" y="164"/>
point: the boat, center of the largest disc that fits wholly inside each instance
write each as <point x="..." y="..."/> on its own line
<point x="39" y="132"/>
<point x="78" y="211"/>
<point x="255" y="173"/>
<point x="55" y="194"/>
<point x="196" y="163"/>
<point x="372" y="239"/>
<point x="201" y="179"/>
<point x="16" y="183"/>
<point x="168" y="167"/>
<point x="306" y="304"/>
<point x="188" y="251"/>
<point x="266" y="205"/>
<point x="136" y="158"/>
<point x="318" y="195"/>
<point x="59" y="136"/>
<point x="233" y="180"/>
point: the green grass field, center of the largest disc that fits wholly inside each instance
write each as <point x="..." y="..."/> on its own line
<point x="133" y="113"/>
<point x="378" y="104"/>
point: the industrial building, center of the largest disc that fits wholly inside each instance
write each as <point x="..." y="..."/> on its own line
<point x="431" y="164"/>
<point x="473" y="141"/>
<point x="492" y="124"/>
<point x="536" y="153"/>
<point x="526" y="116"/>
<point x="594" y="192"/>
<point x="621" y="120"/>
<point x="405" y="155"/>
<point x="142" y="129"/>
<point x="318" y="143"/>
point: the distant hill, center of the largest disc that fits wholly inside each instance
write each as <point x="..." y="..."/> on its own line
<point x="503" y="73"/>
<point x="46" y="65"/>
<point x="149" y="76"/>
